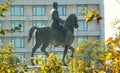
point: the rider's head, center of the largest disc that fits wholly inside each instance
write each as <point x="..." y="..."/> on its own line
<point x="55" y="5"/>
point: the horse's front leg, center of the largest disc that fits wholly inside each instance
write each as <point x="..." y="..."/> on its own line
<point x="65" y="52"/>
<point x="72" y="49"/>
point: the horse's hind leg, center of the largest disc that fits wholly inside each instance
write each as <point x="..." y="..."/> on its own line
<point x="43" y="48"/>
<point x="72" y="49"/>
<point x="37" y="45"/>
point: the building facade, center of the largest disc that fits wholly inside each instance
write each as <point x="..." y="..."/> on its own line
<point x="37" y="13"/>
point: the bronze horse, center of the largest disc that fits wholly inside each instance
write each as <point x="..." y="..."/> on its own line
<point x="48" y="35"/>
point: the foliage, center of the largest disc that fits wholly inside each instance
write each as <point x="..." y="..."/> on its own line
<point x="48" y="65"/>
<point x="3" y="31"/>
<point x="86" y="57"/>
<point x="8" y="61"/>
<point x="89" y="57"/>
<point x="113" y="43"/>
<point x="4" y="7"/>
<point x="89" y="17"/>
<point x="93" y="56"/>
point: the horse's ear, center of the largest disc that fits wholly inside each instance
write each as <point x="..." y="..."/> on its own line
<point x="74" y="14"/>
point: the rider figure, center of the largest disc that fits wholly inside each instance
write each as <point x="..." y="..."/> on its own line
<point x="57" y="21"/>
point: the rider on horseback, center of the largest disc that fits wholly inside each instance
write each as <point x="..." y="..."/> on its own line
<point x="56" y="20"/>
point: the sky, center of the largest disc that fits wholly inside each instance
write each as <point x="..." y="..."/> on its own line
<point x="112" y="12"/>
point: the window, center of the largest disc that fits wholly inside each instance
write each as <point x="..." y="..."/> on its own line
<point x="1" y="41"/>
<point x="81" y="38"/>
<point x="16" y="24"/>
<point x="80" y="8"/>
<point x="17" y="11"/>
<point x="62" y="10"/>
<point x="82" y="25"/>
<point x="20" y="57"/>
<point x="0" y="24"/>
<point x="39" y="23"/>
<point x="0" y="28"/>
<point x="18" y="42"/>
<point x="38" y="10"/>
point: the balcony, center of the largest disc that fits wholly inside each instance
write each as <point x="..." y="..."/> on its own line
<point x="87" y="33"/>
<point x="38" y="2"/>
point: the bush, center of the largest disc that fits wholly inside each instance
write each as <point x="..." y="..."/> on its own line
<point x="8" y="61"/>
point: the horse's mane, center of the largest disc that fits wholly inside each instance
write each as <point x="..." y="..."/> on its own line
<point x="70" y="19"/>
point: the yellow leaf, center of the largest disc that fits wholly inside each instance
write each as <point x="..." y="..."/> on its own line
<point x="94" y="12"/>
<point x="78" y="49"/>
<point x="84" y="10"/>
<point x="107" y="57"/>
<point x="118" y="28"/>
<point x="3" y="71"/>
<point x="101" y="71"/>
<point x="101" y="57"/>
<point x="117" y="40"/>
<point x="43" y="67"/>
<point x="40" y="62"/>
<point x="109" y="40"/>
<point x="35" y="61"/>
<point x="8" y="71"/>
<point x="113" y="46"/>
<point x="51" y="55"/>
<point x="89" y="17"/>
<point x="98" y="18"/>
<point x="13" y="71"/>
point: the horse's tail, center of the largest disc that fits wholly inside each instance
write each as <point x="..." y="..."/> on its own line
<point x="31" y="32"/>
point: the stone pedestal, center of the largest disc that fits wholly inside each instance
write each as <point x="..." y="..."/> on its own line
<point x="36" y="69"/>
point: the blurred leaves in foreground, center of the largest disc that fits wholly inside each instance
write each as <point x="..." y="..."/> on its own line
<point x="3" y="31"/>
<point x="4" y="7"/>
<point x="9" y="62"/>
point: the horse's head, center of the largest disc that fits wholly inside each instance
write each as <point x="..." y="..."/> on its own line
<point x="75" y="21"/>
<point x="72" y="21"/>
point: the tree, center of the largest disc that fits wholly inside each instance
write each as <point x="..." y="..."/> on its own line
<point x="3" y="9"/>
<point x="9" y="62"/>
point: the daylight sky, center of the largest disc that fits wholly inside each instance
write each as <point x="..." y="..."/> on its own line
<point x="112" y="12"/>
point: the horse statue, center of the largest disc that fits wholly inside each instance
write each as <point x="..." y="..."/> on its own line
<point x="48" y="35"/>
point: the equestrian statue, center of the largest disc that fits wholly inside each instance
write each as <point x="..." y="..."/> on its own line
<point x="60" y="34"/>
